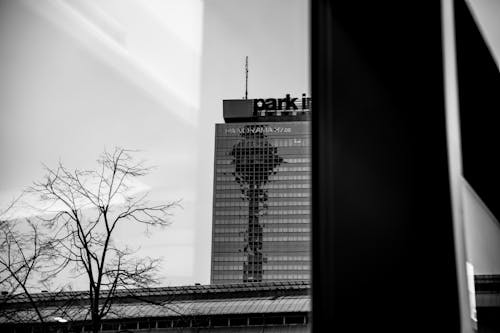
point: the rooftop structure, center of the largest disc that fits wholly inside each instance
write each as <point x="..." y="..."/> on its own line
<point x="225" y="306"/>
<point x="267" y="110"/>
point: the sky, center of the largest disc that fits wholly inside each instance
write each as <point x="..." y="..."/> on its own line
<point x="78" y="77"/>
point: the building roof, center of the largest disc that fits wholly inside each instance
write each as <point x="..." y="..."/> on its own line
<point x="181" y="292"/>
<point x="185" y="301"/>
<point x="258" y="305"/>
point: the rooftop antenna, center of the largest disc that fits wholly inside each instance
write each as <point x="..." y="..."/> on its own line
<point x="246" y="77"/>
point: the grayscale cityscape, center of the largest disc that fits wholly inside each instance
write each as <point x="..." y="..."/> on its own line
<point x="164" y="168"/>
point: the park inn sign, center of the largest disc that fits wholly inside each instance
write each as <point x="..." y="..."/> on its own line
<point x="270" y="109"/>
<point x="286" y="104"/>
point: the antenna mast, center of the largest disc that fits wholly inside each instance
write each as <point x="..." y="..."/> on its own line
<point x="246" y="77"/>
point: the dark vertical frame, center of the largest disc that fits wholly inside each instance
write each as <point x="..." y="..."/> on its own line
<point x="478" y="88"/>
<point x="383" y="247"/>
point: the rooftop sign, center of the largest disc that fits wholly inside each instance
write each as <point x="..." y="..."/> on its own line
<point x="270" y="109"/>
<point x="285" y="104"/>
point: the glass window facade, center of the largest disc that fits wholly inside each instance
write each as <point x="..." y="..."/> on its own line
<point x="262" y="202"/>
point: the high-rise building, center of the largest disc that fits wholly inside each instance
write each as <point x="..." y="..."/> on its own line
<point x="262" y="197"/>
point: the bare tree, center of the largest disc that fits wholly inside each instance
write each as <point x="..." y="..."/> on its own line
<point x="20" y="258"/>
<point x="25" y="257"/>
<point x="84" y="209"/>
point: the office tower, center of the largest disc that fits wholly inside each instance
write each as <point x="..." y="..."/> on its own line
<point x="262" y="204"/>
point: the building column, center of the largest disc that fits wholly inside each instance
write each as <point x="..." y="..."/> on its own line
<point x="383" y="237"/>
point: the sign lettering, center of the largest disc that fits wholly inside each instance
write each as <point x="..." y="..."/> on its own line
<point x="286" y="104"/>
<point x="260" y="129"/>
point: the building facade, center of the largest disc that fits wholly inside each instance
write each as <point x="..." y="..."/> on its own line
<point x="259" y="307"/>
<point x="262" y="199"/>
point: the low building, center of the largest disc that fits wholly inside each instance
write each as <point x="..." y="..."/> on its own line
<point x="487" y="303"/>
<point x="241" y="307"/>
<point x="256" y="307"/>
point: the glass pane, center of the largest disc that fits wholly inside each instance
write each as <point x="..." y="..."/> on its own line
<point x="155" y="151"/>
